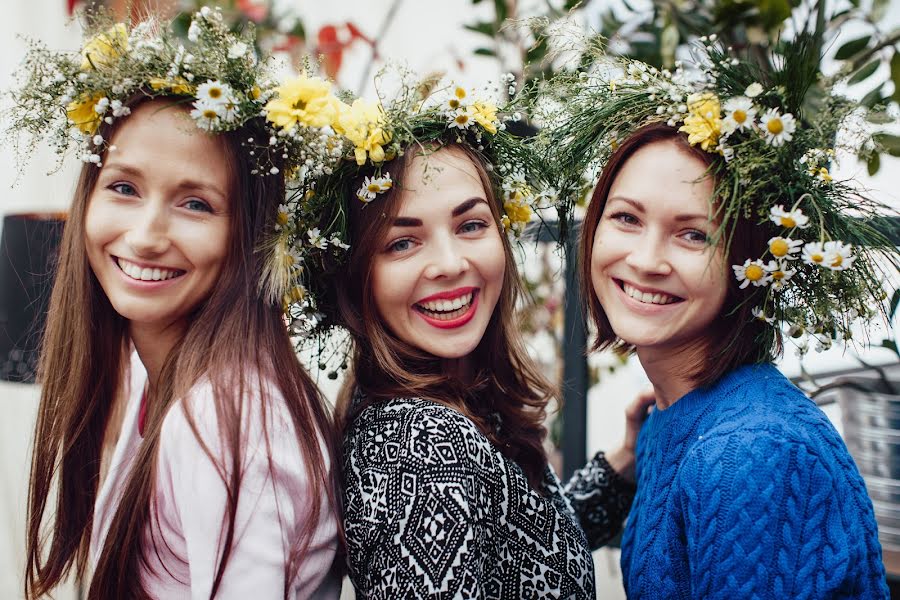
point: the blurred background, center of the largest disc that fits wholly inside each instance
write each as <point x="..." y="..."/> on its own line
<point x="474" y="42"/>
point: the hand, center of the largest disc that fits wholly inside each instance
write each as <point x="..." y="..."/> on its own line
<point x="622" y="459"/>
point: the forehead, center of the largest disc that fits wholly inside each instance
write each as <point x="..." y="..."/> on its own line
<point x="161" y="139"/>
<point x="664" y="175"/>
<point x="447" y="175"/>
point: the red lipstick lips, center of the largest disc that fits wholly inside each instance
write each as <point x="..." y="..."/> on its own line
<point x="443" y="323"/>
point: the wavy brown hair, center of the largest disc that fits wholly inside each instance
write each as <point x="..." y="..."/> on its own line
<point x="507" y="382"/>
<point x="735" y="337"/>
<point x="82" y="370"/>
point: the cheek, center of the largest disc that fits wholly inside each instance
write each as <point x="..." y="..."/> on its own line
<point x="389" y="288"/>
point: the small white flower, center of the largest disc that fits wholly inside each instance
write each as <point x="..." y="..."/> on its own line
<point x="336" y="241"/>
<point x="194" y="31"/>
<point x="752" y="271"/>
<point x="753" y="90"/>
<point x="789" y="219"/>
<point x="373" y="186"/>
<point x="814" y="254"/>
<point x="838" y="256"/>
<point x="118" y="110"/>
<point x="758" y="313"/>
<point x="214" y="93"/>
<point x="785" y="248"/>
<point x="97" y="139"/>
<point x="739" y="114"/>
<point x="237" y="50"/>
<point x="778" y="128"/>
<point x="208" y="117"/>
<point x="315" y="238"/>
<point x="779" y="274"/>
<point x="102" y="105"/>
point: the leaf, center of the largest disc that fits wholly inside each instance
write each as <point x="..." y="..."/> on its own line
<point x="891" y="143"/>
<point x="500" y="9"/>
<point x="879" y="7"/>
<point x="895" y="75"/>
<point x="851" y="48"/>
<point x="879" y="117"/>
<point x="891" y="345"/>
<point x="485" y="52"/>
<point x="873" y="98"/>
<point x="864" y="72"/>
<point x="485" y="27"/>
<point x="895" y="301"/>
<point x="874" y="163"/>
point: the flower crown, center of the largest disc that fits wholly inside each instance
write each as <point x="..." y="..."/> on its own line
<point x="818" y="272"/>
<point x="313" y="237"/>
<point x="65" y="97"/>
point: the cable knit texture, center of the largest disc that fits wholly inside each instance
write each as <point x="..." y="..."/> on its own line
<point x="745" y="490"/>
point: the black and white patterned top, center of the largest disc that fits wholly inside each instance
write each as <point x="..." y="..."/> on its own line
<point x="433" y="509"/>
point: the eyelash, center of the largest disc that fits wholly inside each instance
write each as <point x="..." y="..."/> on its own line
<point x="392" y="247"/>
<point x="117" y="188"/>
<point x="629" y="219"/>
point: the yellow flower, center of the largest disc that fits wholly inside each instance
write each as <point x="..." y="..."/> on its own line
<point x="363" y="124"/>
<point x="305" y="101"/>
<point x="178" y="86"/>
<point x="518" y="213"/>
<point x="485" y="114"/>
<point x="255" y="92"/>
<point x="824" y="175"/>
<point x="704" y="121"/>
<point x="82" y="113"/>
<point x="105" y="48"/>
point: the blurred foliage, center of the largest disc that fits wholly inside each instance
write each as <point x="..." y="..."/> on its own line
<point x="658" y="31"/>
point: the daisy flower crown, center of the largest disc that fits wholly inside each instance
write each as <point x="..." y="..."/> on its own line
<point x="64" y="98"/>
<point x="819" y="273"/>
<point x="420" y="117"/>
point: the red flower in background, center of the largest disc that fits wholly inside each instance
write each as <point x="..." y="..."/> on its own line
<point x="255" y="11"/>
<point x="331" y="42"/>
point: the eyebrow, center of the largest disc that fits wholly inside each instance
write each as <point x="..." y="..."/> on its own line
<point x="639" y="206"/>
<point x="459" y="210"/>
<point x="185" y="184"/>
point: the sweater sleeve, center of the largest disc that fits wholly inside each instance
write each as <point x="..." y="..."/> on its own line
<point x="765" y="517"/>
<point x="415" y="511"/>
<point x="600" y="498"/>
<point x="271" y="506"/>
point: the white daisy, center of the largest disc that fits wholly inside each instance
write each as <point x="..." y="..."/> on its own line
<point x="458" y="99"/>
<point x="779" y="274"/>
<point x="207" y="116"/>
<point x="788" y="218"/>
<point x="372" y="186"/>
<point x="814" y="254"/>
<point x="315" y="238"/>
<point x="461" y="118"/>
<point x="739" y="114"/>
<point x="336" y="241"/>
<point x="838" y="256"/>
<point x="785" y="248"/>
<point x="778" y="128"/>
<point x="752" y="271"/>
<point x="214" y="92"/>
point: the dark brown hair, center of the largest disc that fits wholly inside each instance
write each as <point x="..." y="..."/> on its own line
<point x="507" y="381"/>
<point x="735" y="337"/>
<point x="83" y="367"/>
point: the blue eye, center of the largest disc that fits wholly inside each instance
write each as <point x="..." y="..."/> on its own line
<point x="126" y="189"/>
<point x="400" y="245"/>
<point x="472" y="226"/>
<point x="198" y="205"/>
<point x="696" y="236"/>
<point x="624" y="218"/>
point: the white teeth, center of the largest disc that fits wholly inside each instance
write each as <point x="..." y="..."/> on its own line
<point x="146" y="273"/>
<point x="648" y="298"/>
<point x="446" y="307"/>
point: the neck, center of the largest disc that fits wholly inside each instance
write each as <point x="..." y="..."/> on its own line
<point x="460" y="368"/>
<point x="670" y="369"/>
<point x="153" y="344"/>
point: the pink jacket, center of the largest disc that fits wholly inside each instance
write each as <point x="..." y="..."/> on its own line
<point x="190" y="506"/>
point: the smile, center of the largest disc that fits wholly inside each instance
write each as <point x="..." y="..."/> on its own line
<point x="643" y="297"/>
<point x="448" y="309"/>
<point x="139" y="273"/>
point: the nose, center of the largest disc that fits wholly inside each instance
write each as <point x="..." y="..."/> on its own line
<point x="148" y="234"/>
<point x="447" y="260"/>
<point x="649" y="256"/>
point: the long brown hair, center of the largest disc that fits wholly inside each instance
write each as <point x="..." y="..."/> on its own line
<point x="82" y="368"/>
<point x="736" y="337"/>
<point x="507" y="383"/>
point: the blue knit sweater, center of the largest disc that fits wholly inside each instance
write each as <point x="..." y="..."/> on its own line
<point x="745" y="490"/>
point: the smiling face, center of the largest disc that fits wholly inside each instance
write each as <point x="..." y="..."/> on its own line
<point x="438" y="272"/>
<point x="658" y="281"/>
<point x="157" y="221"/>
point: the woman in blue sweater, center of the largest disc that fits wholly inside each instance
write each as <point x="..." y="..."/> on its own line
<point x="745" y="489"/>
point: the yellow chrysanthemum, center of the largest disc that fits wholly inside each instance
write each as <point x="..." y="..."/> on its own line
<point x="363" y="124"/>
<point x="704" y="121"/>
<point x="105" y="48"/>
<point x="517" y="211"/>
<point x="82" y="113"/>
<point x="305" y="101"/>
<point x="485" y="114"/>
<point x="178" y="86"/>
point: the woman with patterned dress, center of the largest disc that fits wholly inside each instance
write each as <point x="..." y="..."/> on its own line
<point x="447" y="489"/>
<point x="745" y="489"/>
